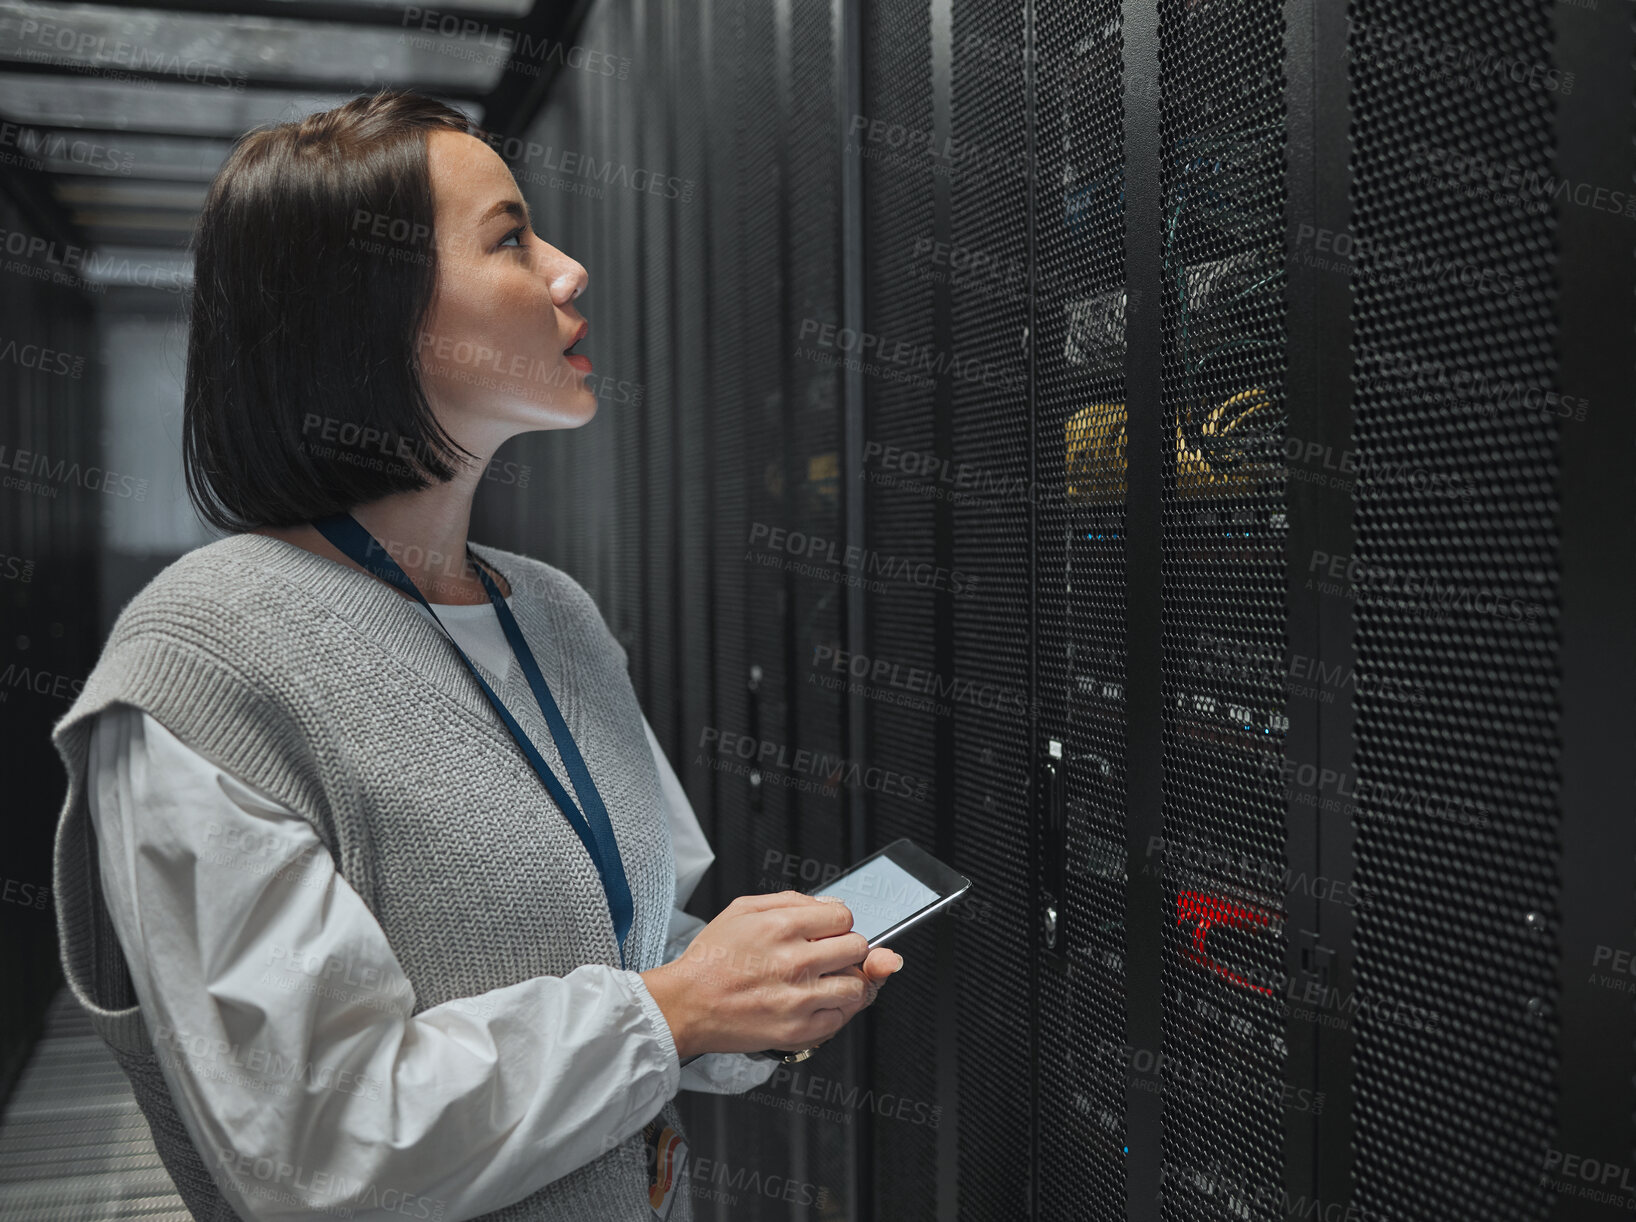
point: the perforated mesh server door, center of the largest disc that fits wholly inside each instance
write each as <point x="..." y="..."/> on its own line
<point x="617" y="138"/>
<point x="656" y="309"/>
<point x="755" y="827"/>
<point x="701" y="353"/>
<point x="553" y="513"/>
<point x="1455" y="321"/>
<point x="810" y="508"/>
<point x="730" y="406"/>
<point x="1080" y="365"/>
<point x="757" y="77"/>
<point x="1222" y="289"/>
<point x="983" y="631"/>
<point x="899" y="220"/>
<point x="1078" y="289"/>
<point x="732" y="422"/>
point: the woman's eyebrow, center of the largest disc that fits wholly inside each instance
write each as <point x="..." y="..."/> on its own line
<point x="511" y="206"/>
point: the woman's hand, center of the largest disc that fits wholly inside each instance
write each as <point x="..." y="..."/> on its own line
<point x="874" y="970"/>
<point x="771" y="971"/>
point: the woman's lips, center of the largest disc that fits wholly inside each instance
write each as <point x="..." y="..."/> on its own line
<point x="581" y="363"/>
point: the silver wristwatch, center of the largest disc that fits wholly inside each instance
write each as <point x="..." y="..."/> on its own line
<point x="771" y="1054"/>
<point x="789" y="1058"/>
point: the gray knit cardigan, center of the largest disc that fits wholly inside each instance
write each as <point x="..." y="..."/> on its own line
<point x="323" y="687"/>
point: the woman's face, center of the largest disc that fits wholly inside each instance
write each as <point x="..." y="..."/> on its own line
<point x="493" y="353"/>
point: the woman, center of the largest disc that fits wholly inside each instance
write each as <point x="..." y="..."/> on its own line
<point x="320" y="879"/>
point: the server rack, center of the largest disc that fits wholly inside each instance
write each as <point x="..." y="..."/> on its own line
<point x="1225" y="367"/>
<point x="50" y="537"/>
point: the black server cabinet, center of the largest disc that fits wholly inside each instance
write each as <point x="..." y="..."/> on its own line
<point x="1075" y="281"/>
<point x="1191" y="441"/>
<point x="905" y="521"/>
<point x="53" y="513"/>
<point x="1223" y="524"/>
<point x="1459" y="838"/>
<point x="1488" y="143"/>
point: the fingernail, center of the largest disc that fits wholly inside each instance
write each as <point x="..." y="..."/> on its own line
<point x="900" y="961"/>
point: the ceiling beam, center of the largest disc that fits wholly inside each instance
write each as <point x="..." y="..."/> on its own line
<point x="540" y="39"/>
<point x="388" y="15"/>
<point x="521" y="90"/>
<point x="245" y="84"/>
<point x="28" y="186"/>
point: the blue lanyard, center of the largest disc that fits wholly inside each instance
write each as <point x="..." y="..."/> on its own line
<point x="597" y="835"/>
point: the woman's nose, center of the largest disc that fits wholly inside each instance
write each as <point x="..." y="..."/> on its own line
<point x="568" y="280"/>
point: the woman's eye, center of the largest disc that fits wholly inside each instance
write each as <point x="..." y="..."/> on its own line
<point x="515" y="233"/>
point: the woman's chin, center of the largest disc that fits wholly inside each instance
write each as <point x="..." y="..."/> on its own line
<point x="568" y="412"/>
<point x="587" y="405"/>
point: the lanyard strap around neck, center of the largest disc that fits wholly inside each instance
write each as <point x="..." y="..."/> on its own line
<point x="595" y="833"/>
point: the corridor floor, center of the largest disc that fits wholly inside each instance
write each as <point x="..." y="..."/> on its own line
<point x="73" y="1144"/>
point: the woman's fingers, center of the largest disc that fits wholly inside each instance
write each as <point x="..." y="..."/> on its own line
<point x="772" y="899"/>
<point x="872" y="979"/>
<point x="840" y="998"/>
<point x="825" y="955"/>
<point x="844" y="992"/>
<point x="881" y="963"/>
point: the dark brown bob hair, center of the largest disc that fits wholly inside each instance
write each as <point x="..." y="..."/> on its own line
<point x="313" y="272"/>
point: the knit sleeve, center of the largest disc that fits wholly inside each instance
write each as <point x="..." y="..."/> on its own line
<point x="283" y="1020"/>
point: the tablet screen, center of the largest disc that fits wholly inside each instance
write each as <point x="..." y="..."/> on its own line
<point x="880" y="893"/>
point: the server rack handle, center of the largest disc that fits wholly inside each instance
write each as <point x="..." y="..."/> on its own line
<point x="1054" y="846"/>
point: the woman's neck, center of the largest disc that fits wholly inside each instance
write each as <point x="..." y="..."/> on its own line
<point x="423" y="531"/>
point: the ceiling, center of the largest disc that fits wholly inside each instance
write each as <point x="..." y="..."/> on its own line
<point x="115" y="116"/>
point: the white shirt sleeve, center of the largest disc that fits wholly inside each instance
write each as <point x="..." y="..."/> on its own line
<point x="214" y="889"/>
<point x="718" y="1073"/>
